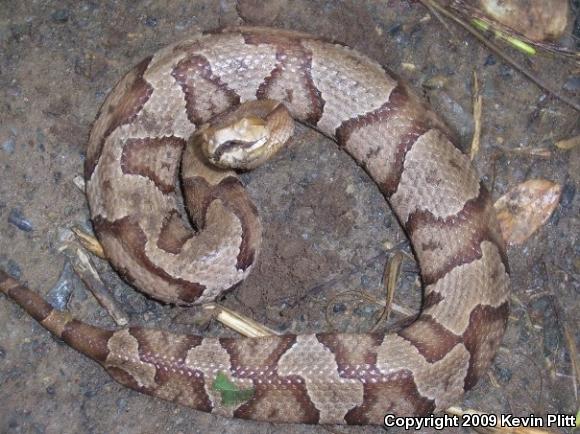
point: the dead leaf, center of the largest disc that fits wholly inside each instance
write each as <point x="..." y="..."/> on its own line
<point x="525" y="208"/>
<point x="568" y="144"/>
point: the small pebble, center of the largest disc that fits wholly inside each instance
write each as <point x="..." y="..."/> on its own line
<point x="18" y="220"/>
<point x="40" y="137"/>
<point x="490" y="60"/>
<point x="151" y="22"/>
<point x="568" y="193"/>
<point x="121" y="404"/>
<point x="50" y="390"/>
<point x="2" y="353"/>
<point x="505" y="71"/>
<point x="339" y="308"/>
<point x="18" y="31"/>
<point x="365" y="311"/>
<point x="283" y="305"/>
<point x="10" y="266"/>
<point x="552" y="338"/>
<point x="283" y="327"/>
<point x="59" y="294"/>
<point x="365" y="281"/>
<point x="457" y="115"/>
<point x="436" y="82"/>
<point x="8" y="146"/>
<point x="540" y="304"/>
<point x="60" y="15"/>
<point x="13" y="269"/>
<point x="395" y="30"/>
<point x="503" y="374"/>
<point x="38" y="428"/>
<point x="572" y="84"/>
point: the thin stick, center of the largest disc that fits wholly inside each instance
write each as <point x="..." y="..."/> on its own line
<point x="525" y="151"/>
<point x="498" y="51"/>
<point x="84" y="268"/>
<point x="573" y="353"/>
<point x="238" y="322"/>
<point x="477" y="110"/>
<point x="390" y="278"/>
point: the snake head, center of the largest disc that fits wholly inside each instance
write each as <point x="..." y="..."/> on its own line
<point x="237" y="145"/>
<point x="248" y="136"/>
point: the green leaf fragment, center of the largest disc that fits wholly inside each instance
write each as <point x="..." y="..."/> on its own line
<point x="524" y="47"/>
<point x="230" y="392"/>
<point x="578" y="419"/>
<point x="481" y="25"/>
<point x="521" y="45"/>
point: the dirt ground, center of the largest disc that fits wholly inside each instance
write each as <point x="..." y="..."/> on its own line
<point x="327" y="228"/>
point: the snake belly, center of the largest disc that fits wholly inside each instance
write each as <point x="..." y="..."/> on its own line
<point x="132" y="168"/>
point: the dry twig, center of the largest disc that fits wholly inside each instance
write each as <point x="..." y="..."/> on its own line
<point x="84" y="268"/>
<point x="238" y="322"/>
<point x="477" y="110"/>
<point x="390" y="278"/>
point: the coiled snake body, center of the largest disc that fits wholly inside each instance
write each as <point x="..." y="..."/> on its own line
<point x="131" y="168"/>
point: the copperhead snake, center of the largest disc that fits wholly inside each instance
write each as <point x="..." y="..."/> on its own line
<point x="132" y="165"/>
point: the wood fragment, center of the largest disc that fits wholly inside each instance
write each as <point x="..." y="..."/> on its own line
<point x="83" y="266"/>
<point x="79" y="182"/>
<point x="238" y="322"/>
<point x="526" y="151"/>
<point x="573" y="353"/>
<point x="570" y="341"/>
<point x="89" y="242"/>
<point x="437" y="82"/>
<point x="568" y="144"/>
<point x="390" y="277"/>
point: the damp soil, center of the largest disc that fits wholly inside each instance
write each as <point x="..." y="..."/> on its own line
<point x="327" y="227"/>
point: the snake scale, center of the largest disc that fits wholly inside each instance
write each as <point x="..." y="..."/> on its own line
<point x="132" y="167"/>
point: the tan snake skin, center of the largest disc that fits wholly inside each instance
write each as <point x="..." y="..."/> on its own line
<point x="328" y="378"/>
